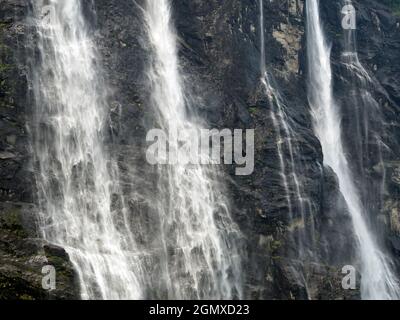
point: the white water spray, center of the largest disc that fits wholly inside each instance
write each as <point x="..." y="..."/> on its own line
<point x="201" y="259"/>
<point x="369" y="123"/>
<point x="378" y="280"/>
<point x="76" y="179"/>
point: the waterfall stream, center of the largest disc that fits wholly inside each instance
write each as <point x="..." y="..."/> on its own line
<point x="378" y="280"/>
<point x="81" y="202"/>
<point x="299" y="205"/>
<point x="367" y="124"/>
<point x="196" y="249"/>
<point x="199" y="236"/>
<point x="77" y="180"/>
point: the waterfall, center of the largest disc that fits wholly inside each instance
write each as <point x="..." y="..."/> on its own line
<point x="366" y="122"/>
<point x="299" y="205"/>
<point x="378" y="280"/>
<point x="77" y="180"/>
<point x="201" y="257"/>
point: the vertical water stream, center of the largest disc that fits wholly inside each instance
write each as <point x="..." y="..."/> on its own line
<point x="199" y="236"/>
<point x="76" y="178"/>
<point x="378" y="281"/>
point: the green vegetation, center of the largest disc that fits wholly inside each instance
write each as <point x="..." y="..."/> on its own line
<point x="394" y="4"/>
<point x="14" y="288"/>
<point x="253" y="110"/>
<point x="2" y="26"/>
<point x="5" y="70"/>
<point x="275" y="246"/>
<point x="11" y="220"/>
<point x="4" y="67"/>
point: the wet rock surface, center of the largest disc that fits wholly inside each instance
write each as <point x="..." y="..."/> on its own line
<point x="285" y="257"/>
<point x="22" y="254"/>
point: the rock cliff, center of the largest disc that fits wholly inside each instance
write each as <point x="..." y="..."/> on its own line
<point x="298" y="257"/>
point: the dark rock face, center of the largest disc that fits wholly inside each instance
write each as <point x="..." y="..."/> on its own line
<point x="220" y="56"/>
<point x="285" y="257"/>
<point x="22" y="254"/>
<point x="371" y="112"/>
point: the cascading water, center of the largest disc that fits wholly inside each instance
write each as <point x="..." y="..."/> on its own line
<point x="300" y="206"/>
<point x="366" y="122"/>
<point x="378" y="280"/>
<point x="199" y="237"/>
<point x="76" y="179"/>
